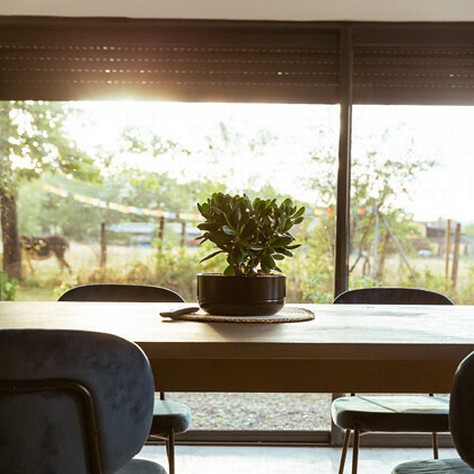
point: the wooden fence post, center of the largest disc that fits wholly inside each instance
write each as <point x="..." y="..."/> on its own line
<point x="103" y="246"/>
<point x="447" y="249"/>
<point x="457" y="242"/>
<point x="161" y="231"/>
<point x="183" y="234"/>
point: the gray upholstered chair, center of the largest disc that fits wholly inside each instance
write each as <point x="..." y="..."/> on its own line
<point x="389" y="413"/>
<point x="461" y="422"/>
<point x="73" y="402"/>
<point x="169" y="417"/>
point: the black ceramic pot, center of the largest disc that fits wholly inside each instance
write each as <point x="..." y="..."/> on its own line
<point x="259" y="295"/>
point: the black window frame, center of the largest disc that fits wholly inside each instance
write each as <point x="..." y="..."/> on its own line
<point x="345" y="63"/>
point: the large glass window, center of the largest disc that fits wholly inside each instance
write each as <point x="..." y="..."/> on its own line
<point x="119" y="182"/>
<point x="411" y="218"/>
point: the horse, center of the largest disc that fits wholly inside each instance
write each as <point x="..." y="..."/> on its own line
<point x="42" y="248"/>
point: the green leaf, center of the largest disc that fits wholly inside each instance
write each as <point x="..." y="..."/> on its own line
<point x="211" y="256"/>
<point x="268" y="264"/>
<point x="300" y="212"/>
<point x="281" y="241"/>
<point x="292" y="247"/>
<point x="229" y="271"/>
<point x="236" y="217"/>
<point x="284" y="251"/>
<point x="227" y="230"/>
<point x="237" y="256"/>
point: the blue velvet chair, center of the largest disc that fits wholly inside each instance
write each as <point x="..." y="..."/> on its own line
<point x="461" y="422"/>
<point x="389" y="413"/>
<point x="169" y="417"/>
<point x="73" y="402"/>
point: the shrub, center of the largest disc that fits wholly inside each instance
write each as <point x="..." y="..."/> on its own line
<point x="8" y="287"/>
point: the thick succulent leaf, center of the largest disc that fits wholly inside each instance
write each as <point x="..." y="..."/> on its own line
<point x="282" y="241"/>
<point x="284" y="251"/>
<point x="237" y="256"/>
<point x="300" y="212"/>
<point x="293" y="247"/>
<point x="228" y="230"/>
<point x="220" y="238"/>
<point x="207" y="257"/>
<point x="268" y="264"/>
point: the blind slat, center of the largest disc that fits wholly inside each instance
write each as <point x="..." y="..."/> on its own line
<point x="179" y="61"/>
<point x="87" y="58"/>
<point x="414" y="64"/>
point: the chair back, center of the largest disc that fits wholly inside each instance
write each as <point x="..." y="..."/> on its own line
<point x="71" y="401"/>
<point x="461" y="409"/>
<point x="119" y="292"/>
<point x="391" y="295"/>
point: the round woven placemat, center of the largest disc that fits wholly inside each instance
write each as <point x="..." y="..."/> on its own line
<point x="286" y="315"/>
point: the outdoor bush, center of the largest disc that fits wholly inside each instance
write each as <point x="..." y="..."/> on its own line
<point x="8" y="287"/>
<point x="430" y="281"/>
<point x="466" y="294"/>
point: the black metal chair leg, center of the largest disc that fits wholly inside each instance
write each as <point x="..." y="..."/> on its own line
<point x="170" y="451"/>
<point x="345" y="445"/>
<point x="355" y="450"/>
<point x="434" y="442"/>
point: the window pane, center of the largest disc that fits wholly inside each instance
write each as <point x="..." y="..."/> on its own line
<point x="119" y="181"/>
<point x="411" y="216"/>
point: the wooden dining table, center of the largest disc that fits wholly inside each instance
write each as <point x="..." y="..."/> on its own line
<point x="345" y="348"/>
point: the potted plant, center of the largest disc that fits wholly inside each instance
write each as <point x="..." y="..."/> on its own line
<point x="254" y="236"/>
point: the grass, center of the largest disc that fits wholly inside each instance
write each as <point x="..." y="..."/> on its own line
<point x="34" y="294"/>
<point x="47" y="279"/>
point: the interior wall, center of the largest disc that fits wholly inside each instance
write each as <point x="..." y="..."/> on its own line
<point x="291" y="10"/>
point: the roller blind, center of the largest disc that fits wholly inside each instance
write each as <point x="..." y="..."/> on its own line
<point x="232" y="61"/>
<point x="79" y="58"/>
<point x="413" y="64"/>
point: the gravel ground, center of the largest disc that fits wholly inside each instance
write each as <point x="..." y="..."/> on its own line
<point x="257" y="411"/>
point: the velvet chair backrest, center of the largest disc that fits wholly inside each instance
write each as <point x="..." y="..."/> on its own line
<point x="44" y="432"/>
<point x="119" y="292"/>
<point x="461" y="409"/>
<point x="391" y="295"/>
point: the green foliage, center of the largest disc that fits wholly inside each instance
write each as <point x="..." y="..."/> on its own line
<point x="38" y="142"/>
<point x="8" y="287"/>
<point x="466" y="293"/>
<point x="431" y="280"/>
<point x="253" y="234"/>
<point x="377" y="181"/>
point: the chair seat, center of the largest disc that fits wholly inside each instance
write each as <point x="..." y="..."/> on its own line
<point x="415" y="413"/>
<point x="434" y="466"/>
<point x="141" y="466"/>
<point x="169" y="415"/>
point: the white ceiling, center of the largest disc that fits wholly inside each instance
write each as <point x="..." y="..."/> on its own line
<point x="293" y="10"/>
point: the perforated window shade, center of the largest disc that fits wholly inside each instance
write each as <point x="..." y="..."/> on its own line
<point x="413" y="64"/>
<point x="71" y="59"/>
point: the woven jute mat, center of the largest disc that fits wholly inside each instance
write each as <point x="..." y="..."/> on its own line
<point x="286" y="315"/>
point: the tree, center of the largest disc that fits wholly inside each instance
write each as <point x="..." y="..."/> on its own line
<point x="34" y="140"/>
<point x="377" y="182"/>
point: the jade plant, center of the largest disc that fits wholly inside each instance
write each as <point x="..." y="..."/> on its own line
<point x="253" y="234"/>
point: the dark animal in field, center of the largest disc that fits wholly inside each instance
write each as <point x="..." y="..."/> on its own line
<point x="41" y="248"/>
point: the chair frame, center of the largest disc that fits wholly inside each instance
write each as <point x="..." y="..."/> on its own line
<point x="148" y="294"/>
<point x="342" y="298"/>
<point x="88" y="413"/>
